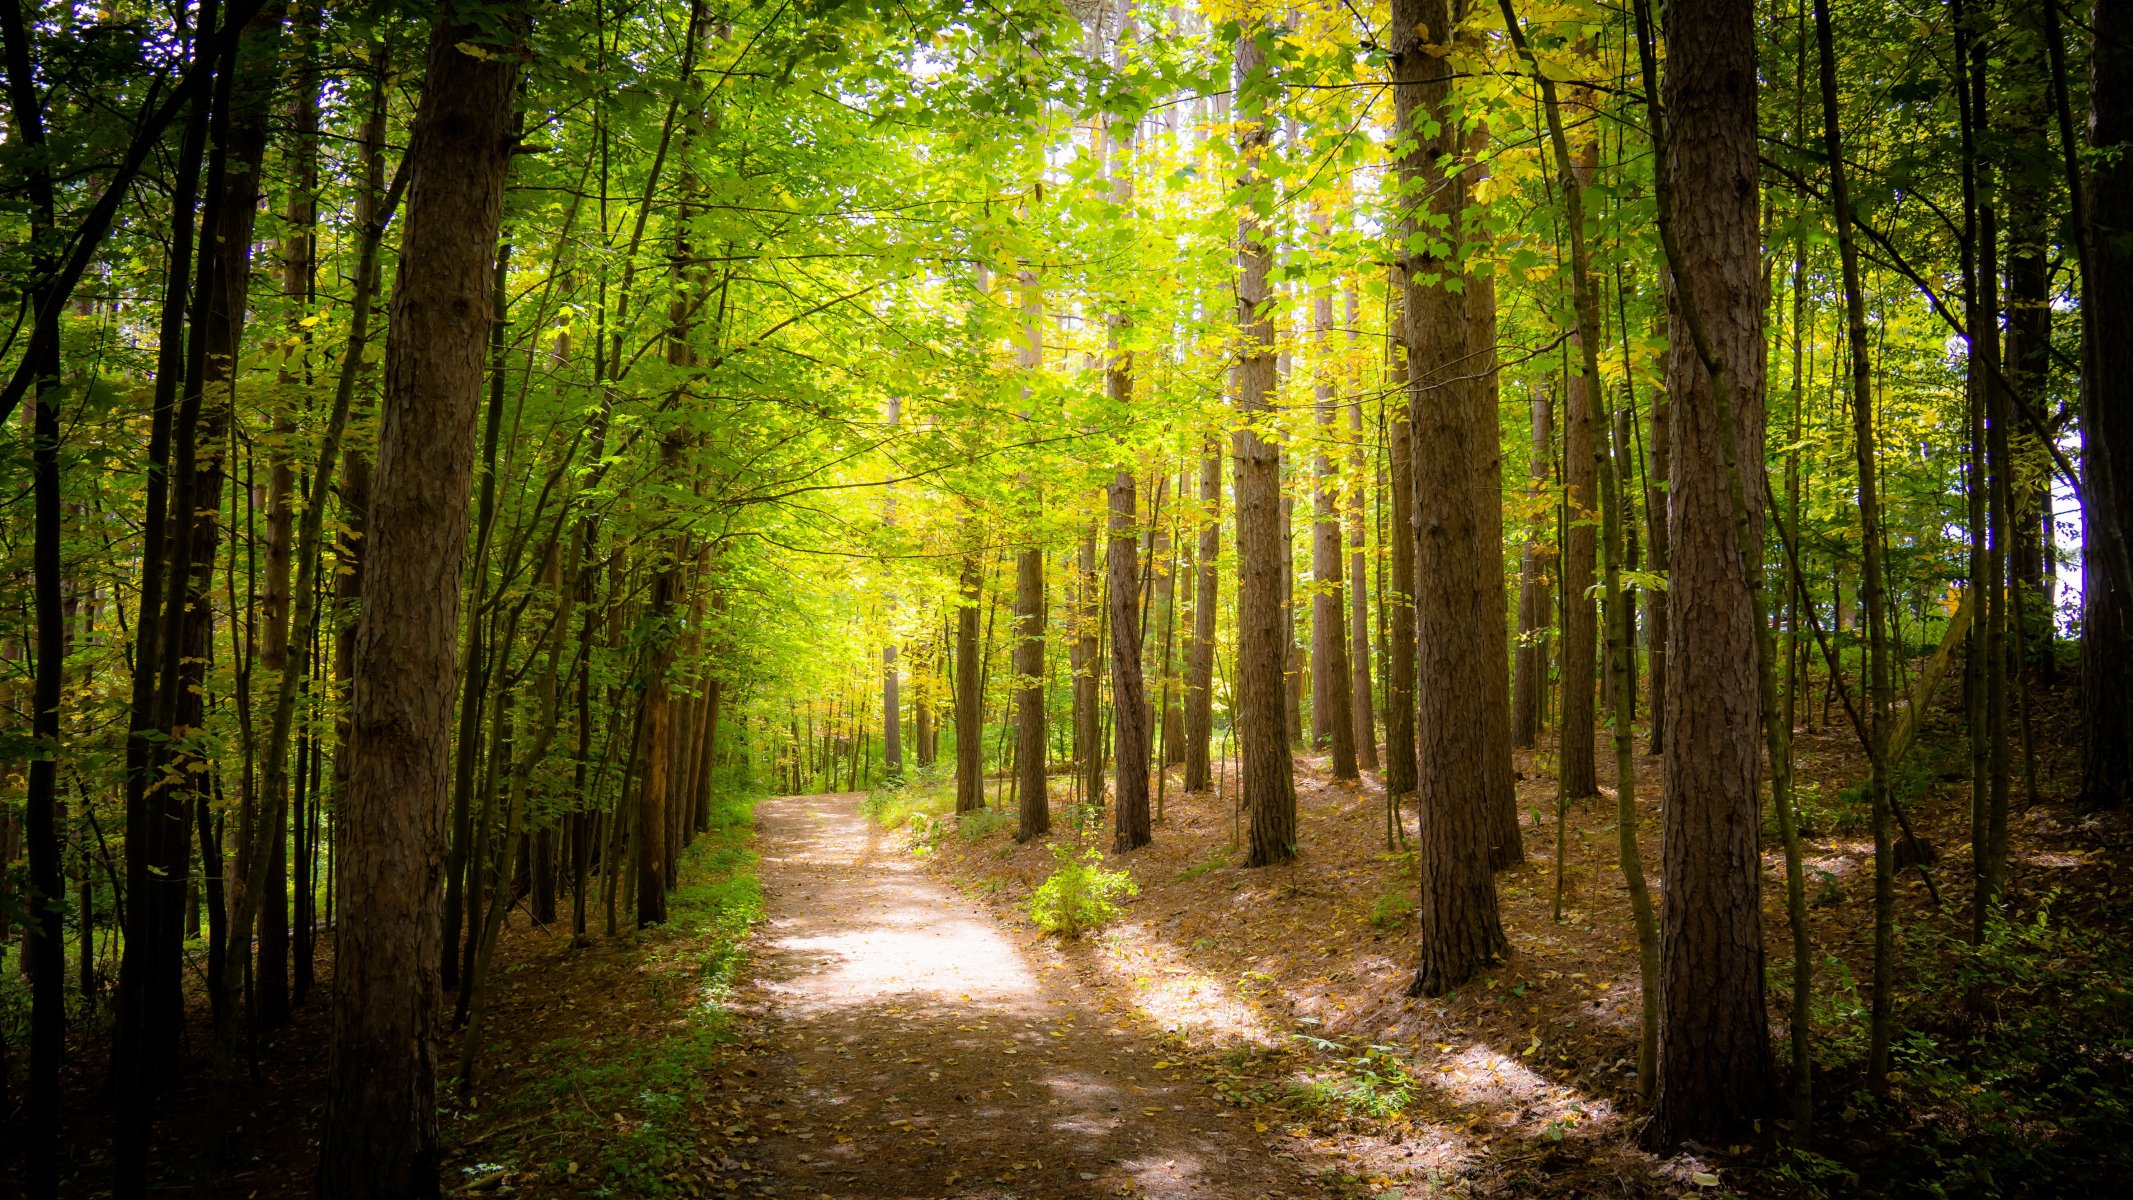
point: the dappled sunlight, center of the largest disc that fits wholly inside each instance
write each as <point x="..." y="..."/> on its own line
<point x="924" y="1052"/>
<point x="1175" y="993"/>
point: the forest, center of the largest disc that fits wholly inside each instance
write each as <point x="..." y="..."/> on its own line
<point x="993" y="599"/>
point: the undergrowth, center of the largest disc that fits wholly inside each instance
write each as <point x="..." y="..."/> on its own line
<point x="1081" y="894"/>
<point x="628" y="1100"/>
<point x="2012" y="1065"/>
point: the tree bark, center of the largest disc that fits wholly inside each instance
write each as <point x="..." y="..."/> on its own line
<point x="380" y="1133"/>
<point x="1536" y="601"/>
<point x="1262" y="637"/>
<point x="1332" y="712"/>
<point x="1574" y="729"/>
<point x="1714" y="1071"/>
<point x="1200" y="655"/>
<point x="969" y="714"/>
<point x="1129" y="693"/>
<point x="1400" y="765"/>
<point x="1361" y="702"/>
<point x="2107" y="411"/>
<point x="1458" y="591"/>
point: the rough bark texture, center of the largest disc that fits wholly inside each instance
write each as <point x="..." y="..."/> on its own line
<point x="1458" y="583"/>
<point x="1262" y="635"/>
<point x="381" y="1118"/>
<point x="1400" y="764"/>
<point x="1714" y="1030"/>
<point x="1499" y="778"/>
<point x="1536" y="598"/>
<point x="1200" y="655"/>
<point x="1657" y="504"/>
<point x="1332" y="714"/>
<point x="1084" y="646"/>
<point x="1574" y="731"/>
<point x="1029" y="679"/>
<point x="1360" y="700"/>
<point x="2107" y="412"/>
<point x="969" y="712"/>
<point x="1129" y="693"/>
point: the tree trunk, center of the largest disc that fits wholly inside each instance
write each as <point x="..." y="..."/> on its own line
<point x="1262" y="639"/>
<point x="1536" y="602"/>
<point x="380" y="1133"/>
<point x="969" y="715"/>
<point x="1714" y="1071"/>
<point x="1129" y="693"/>
<point x="1332" y="713"/>
<point x="2107" y="412"/>
<point x="1200" y="655"/>
<point x="1360" y="700"/>
<point x="1574" y="729"/>
<point x="1400" y="766"/>
<point x="1458" y="584"/>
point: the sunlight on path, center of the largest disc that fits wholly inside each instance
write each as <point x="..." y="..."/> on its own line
<point x="919" y="1051"/>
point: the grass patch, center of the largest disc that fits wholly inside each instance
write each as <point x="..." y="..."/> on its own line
<point x="627" y="1102"/>
<point x="1198" y="869"/>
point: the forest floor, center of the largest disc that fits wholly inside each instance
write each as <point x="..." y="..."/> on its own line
<point x="862" y="1008"/>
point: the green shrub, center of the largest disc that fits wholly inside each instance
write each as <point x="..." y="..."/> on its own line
<point x="1392" y="909"/>
<point x="1080" y="895"/>
<point x="981" y="823"/>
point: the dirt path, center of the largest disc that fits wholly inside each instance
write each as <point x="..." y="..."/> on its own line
<point x="916" y="1049"/>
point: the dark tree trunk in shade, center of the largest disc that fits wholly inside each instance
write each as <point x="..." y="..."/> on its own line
<point x="1129" y="693"/>
<point x="1029" y="685"/>
<point x="1658" y="505"/>
<point x="1200" y="654"/>
<point x="380" y="1131"/>
<point x="969" y="709"/>
<point x="1400" y="766"/>
<point x="2107" y="412"/>
<point x="1262" y="634"/>
<point x="1580" y="647"/>
<point x="1088" y="623"/>
<point x="1536" y="598"/>
<point x="1360" y="700"/>
<point x="1714" y="1067"/>
<point x="1458" y="589"/>
<point x="1332" y="712"/>
<point x="1507" y="846"/>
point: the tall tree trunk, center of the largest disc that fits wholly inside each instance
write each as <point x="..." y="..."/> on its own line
<point x="1400" y="765"/>
<point x="44" y="947"/>
<point x="1575" y="726"/>
<point x="1200" y="654"/>
<point x="1332" y="713"/>
<point x="1028" y="655"/>
<point x="969" y="712"/>
<point x="2107" y="409"/>
<point x="1458" y="588"/>
<point x="1129" y="693"/>
<point x="1262" y="640"/>
<point x="1536" y="602"/>
<point x="380" y="1133"/>
<point x="1714" y="1074"/>
<point x="1658" y="502"/>
<point x="1360" y="700"/>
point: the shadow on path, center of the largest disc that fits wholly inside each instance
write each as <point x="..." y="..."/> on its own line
<point x="916" y="1050"/>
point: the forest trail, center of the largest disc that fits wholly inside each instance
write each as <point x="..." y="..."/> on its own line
<point x="920" y="1051"/>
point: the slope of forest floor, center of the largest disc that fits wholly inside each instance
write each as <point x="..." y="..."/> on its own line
<point x="1267" y="1008"/>
<point x="1282" y="989"/>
